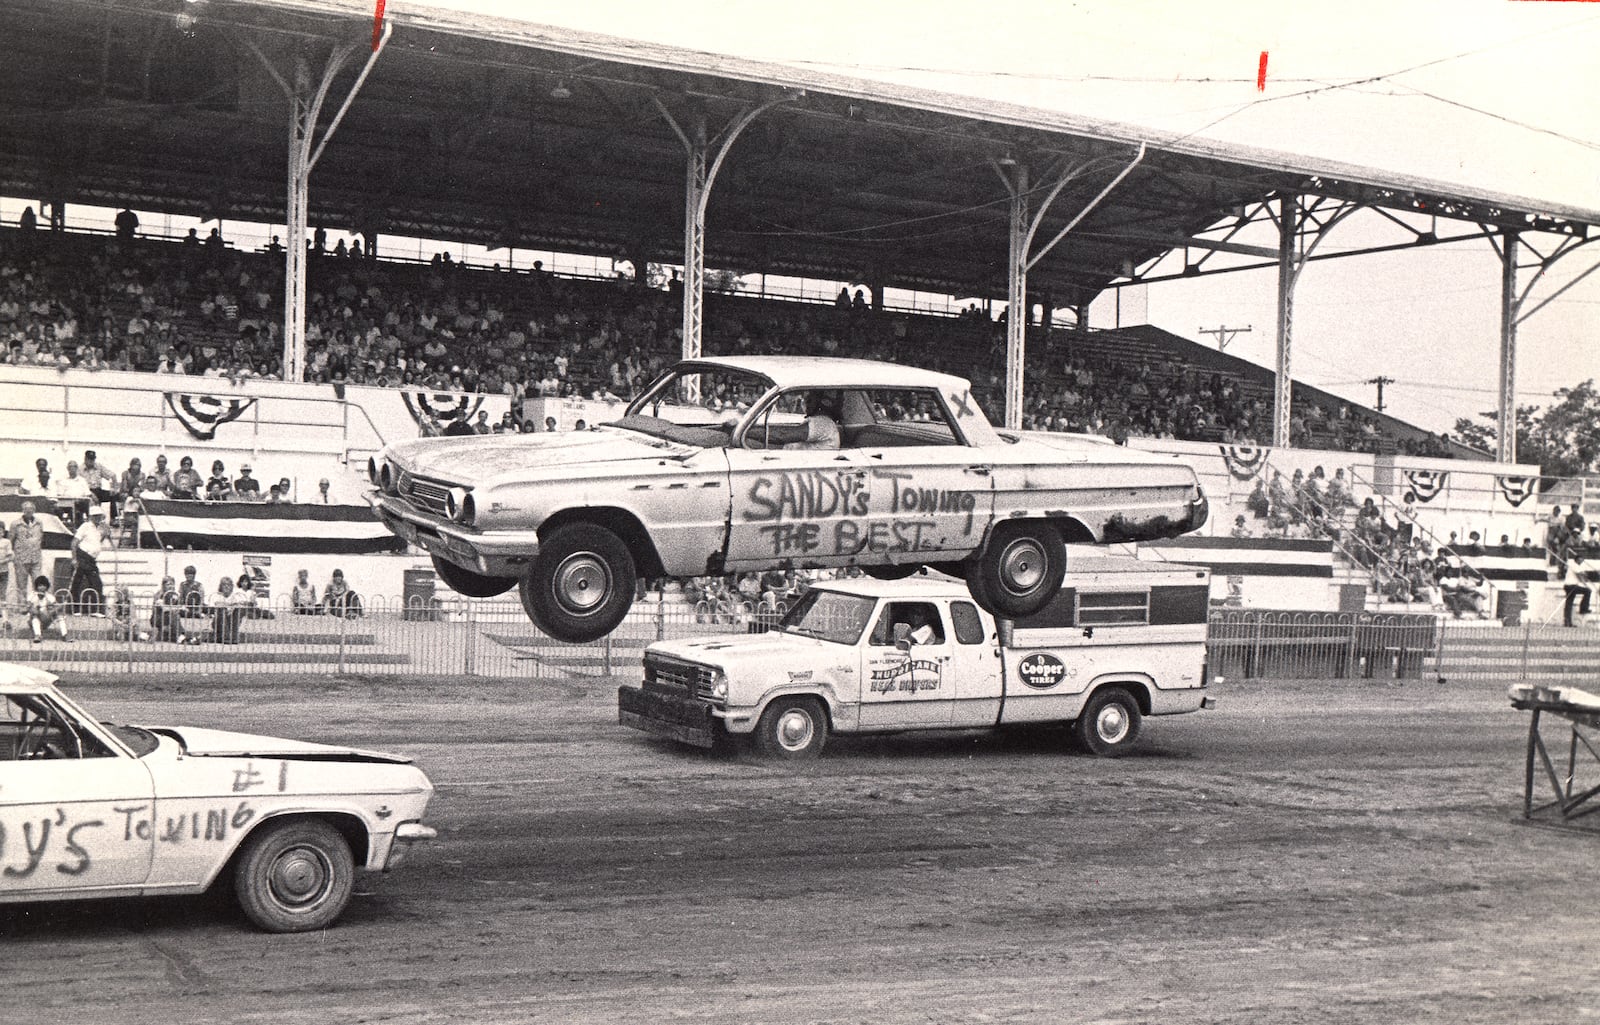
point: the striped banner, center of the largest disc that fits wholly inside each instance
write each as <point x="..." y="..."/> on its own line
<point x="1506" y="562"/>
<point x="1247" y="556"/>
<point x="267" y="528"/>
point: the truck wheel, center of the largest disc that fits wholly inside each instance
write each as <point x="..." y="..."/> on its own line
<point x="1110" y="723"/>
<point x="890" y="570"/>
<point x="1019" y="570"/>
<point x="792" y="728"/>
<point x="581" y="585"/>
<point x="473" y="585"/>
<point x="294" y="876"/>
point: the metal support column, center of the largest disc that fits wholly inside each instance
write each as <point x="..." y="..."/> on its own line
<point x="1506" y="442"/>
<point x="1017" y="298"/>
<point x="1282" y="386"/>
<point x="699" y="175"/>
<point x="305" y="107"/>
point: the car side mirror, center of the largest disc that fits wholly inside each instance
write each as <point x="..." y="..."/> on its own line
<point x="902" y="636"/>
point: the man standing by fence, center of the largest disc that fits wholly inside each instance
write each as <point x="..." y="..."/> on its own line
<point x="1578" y="580"/>
<point x="27" y="556"/>
<point x="87" y="588"/>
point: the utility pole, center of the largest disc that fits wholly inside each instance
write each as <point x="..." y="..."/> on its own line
<point x="1225" y="334"/>
<point x="1380" y="381"/>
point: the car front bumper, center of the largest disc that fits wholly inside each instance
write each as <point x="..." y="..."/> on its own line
<point x="684" y="719"/>
<point x="501" y="553"/>
<point x="406" y="835"/>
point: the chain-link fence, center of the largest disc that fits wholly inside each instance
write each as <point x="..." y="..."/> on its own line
<point x="446" y="635"/>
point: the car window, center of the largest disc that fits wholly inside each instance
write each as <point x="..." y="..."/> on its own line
<point x="922" y="617"/>
<point x="897" y="417"/>
<point x="33" y="728"/>
<point x="968" y="626"/>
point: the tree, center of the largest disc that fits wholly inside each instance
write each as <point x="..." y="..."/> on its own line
<point x="1564" y="440"/>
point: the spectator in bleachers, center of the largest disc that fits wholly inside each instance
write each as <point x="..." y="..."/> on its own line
<point x="247" y="488"/>
<point x="218" y="487"/>
<point x="186" y="483"/>
<point x="40" y="484"/>
<point x="44" y="611"/>
<point x="166" y="614"/>
<point x="303" y="596"/>
<point x="72" y="495"/>
<point x="338" y="599"/>
<point x="191" y="592"/>
<point x="131" y="481"/>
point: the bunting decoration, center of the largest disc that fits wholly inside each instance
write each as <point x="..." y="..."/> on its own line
<point x="1426" y="484"/>
<point x="1243" y="461"/>
<point x="201" y="415"/>
<point x="441" y="407"/>
<point x="1517" y="489"/>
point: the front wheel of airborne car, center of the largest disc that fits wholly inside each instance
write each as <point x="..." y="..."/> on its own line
<point x="581" y="584"/>
<point x="1019" y="570"/>
<point x="1109" y="724"/>
<point x="473" y="585"/>
<point x="294" y="876"/>
<point x="792" y="728"/>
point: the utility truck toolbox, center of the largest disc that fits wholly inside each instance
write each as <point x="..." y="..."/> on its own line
<point x="1121" y="640"/>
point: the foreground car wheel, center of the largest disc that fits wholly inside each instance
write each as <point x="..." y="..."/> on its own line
<point x="1109" y="724"/>
<point x="792" y="728"/>
<point x="581" y="585"/>
<point x="1019" y="570"/>
<point x="473" y="585"/>
<point x="294" y="876"/>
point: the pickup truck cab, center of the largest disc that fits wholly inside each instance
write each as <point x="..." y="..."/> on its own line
<point x="1120" y="640"/>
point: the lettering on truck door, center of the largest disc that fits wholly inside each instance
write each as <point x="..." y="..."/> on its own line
<point x="907" y="688"/>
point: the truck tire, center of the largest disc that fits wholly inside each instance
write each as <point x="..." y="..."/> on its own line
<point x="581" y="585"/>
<point x="294" y="876"/>
<point x="1110" y="723"/>
<point x="792" y="728"/>
<point x="1019" y="570"/>
<point x="473" y="585"/>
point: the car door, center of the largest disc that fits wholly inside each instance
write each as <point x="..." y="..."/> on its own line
<point x="73" y="810"/>
<point x="913" y="687"/>
<point x="932" y="492"/>
<point x="974" y="666"/>
<point x="801" y="505"/>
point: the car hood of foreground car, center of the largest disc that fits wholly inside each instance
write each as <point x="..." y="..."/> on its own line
<point x="203" y="743"/>
<point x="486" y="456"/>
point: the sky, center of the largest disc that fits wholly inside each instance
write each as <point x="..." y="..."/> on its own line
<point x="1496" y="95"/>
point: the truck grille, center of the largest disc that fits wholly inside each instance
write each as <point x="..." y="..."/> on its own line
<point x="423" y="493"/>
<point x="673" y="677"/>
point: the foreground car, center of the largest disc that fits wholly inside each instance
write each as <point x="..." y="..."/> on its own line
<point x="89" y="809"/>
<point x="739" y="464"/>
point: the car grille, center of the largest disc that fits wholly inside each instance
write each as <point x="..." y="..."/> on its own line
<point x="423" y="493"/>
<point x="673" y="677"/>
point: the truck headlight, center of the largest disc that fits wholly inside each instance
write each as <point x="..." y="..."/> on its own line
<point x="719" y="687"/>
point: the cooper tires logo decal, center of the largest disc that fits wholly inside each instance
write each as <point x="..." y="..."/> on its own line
<point x="1041" y="671"/>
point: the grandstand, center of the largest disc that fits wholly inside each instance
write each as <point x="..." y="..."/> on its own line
<point x="389" y="342"/>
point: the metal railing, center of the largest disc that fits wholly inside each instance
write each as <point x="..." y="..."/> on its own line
<point x="454" y="636"/>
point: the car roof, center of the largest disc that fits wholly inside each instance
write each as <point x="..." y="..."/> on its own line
<point x="910" y="587"/>
<point x="813" y="371"/>
<point x="25" y="679"/>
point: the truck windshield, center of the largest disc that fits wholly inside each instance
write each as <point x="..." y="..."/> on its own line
<point x="829" y="616"/>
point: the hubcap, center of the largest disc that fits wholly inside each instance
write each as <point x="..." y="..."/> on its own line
<point x="1111" y="723"/>
<point x="299" y="876"/>
<point x="1022" y="565"/>
<point x="582" y="582"/>
<point x="795" y="729"/>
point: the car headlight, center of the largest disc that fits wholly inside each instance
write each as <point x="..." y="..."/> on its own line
<point x="386" y="479"/>
<point x="372" y="469"/>
<point x="452" y="502"/>
<point x="469" y="510"/>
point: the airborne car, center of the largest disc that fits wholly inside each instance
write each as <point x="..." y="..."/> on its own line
<point x="737" y="464"/>
<point x="93" y="810"/>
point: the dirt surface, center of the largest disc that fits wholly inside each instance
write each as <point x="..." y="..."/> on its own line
<point x="1328" y="853"/>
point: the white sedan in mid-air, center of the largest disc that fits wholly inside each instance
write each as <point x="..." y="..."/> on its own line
<point x="88" y="809"/>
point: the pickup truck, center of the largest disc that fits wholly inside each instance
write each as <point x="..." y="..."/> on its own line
<point x="1120" y="640"/>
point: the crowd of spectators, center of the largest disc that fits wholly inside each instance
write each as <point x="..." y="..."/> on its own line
<point x="202" y="309"/>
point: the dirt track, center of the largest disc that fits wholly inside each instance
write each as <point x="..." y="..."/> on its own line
<point x="1301" y="854"/>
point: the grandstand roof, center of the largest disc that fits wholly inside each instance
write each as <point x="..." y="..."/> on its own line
<point x="500" y="131"/>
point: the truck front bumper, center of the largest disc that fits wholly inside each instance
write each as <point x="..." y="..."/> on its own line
<point x="506" y="553"/>
<point x="683" y="719"/>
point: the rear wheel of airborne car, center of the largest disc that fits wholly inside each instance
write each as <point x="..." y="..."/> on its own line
<point x="1110" y="723"/>
<point x="890" y="570"/>
<point x="473" y="585"/>
<point x="294" y="876"/>
<point x="792" y="728"/>
<point x="581" y="585"/>
<point x="1020" y="569"/>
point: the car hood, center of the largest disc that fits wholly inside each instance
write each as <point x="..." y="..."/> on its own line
<point x="203" y="743"/>
<point x="728" y="648"/>
<point x="483" y="457"/>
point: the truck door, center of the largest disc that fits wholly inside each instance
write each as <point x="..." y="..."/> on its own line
<point x="908" y="688"/>
<point x="974" y="666"/>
